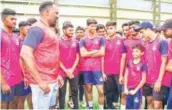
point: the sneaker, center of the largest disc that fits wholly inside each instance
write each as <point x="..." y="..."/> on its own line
<point x="82" y="104"/>
<point x="116" y="105"/>
<point x="70" y="104"/>
<point x="89" y="108"/>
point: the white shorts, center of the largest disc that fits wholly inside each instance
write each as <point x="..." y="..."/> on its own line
<point x="41" y="100"/>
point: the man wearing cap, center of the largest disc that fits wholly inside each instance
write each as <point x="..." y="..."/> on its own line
<point x="157" y="82"/>
<point x="167" y="28"/>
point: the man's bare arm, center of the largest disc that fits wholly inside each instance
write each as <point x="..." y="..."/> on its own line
<point x="29" y="61"/>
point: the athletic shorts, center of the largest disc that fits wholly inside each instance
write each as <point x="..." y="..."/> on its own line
<point x="92" y="77"/>
<point x="16" y="90"/>
<point x="169" y="103"/>
<point x="162" y="95"/>
<point x="134" y="101"/>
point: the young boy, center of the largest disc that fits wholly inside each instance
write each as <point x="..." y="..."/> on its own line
<point x="135" y="78"/>
<point x="69" y="58"/>
<point x="23" y="27"/>
<point x="101" y="31"/>
<point x="113" y="64"/>
<point x="91" y="50"/>
<point x="126" y="29"/>
<point x="157" y="82"/>
<point x="80" y="33"/>
<point x="129" y="42"/>
<point x="167" y="28"/>
<point x="11" y="75"/>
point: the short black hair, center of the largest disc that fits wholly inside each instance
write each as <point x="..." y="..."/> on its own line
<point x="119" y="32"/>
<point x="67" y="24"/>
<point x="140" y="47"/>
<point x="100" y="26"/>
<point x="80" y="28"/>
<point x="134" y="22"/>
<point x="16" y="30"/>
<point x="6" y="12"/>
<point x="23" y="23"/>
<point x="111" y="23"/>
<point x="91" y="21"/>
<point x="45" y="5"/>
<point x="125" y="24"/>
<point x="31" y="21"/>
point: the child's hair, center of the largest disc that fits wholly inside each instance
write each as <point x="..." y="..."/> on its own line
<point x="119" y="32"/>
<point x="80" y="28"/>
<point x="91" y="21"/>
<point x="67" y="24"/>
<point x="110" y="23"/>
<point x="140" y="47"/>
<point x="100" y="26"/>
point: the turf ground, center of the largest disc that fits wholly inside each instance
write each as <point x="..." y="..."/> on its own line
<point x="95" y="100"/>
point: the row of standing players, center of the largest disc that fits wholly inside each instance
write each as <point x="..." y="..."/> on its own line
<point x="126" y="67"/>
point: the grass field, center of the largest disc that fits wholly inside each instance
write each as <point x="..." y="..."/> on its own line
<point x="95" y="100"/>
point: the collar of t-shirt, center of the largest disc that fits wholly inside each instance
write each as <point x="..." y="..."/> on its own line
<point x="151" y="41"/>
<point x="65" y="38"/>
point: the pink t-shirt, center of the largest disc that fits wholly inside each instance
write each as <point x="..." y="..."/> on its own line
<point x="68" y="52"/>
<point x="170" y="58"/>
<point x="91" y="63"/>
<point x="46" y="53"/>
<point x="114" y="48"/>
<point x="10" y="53"/>
<point x="154" y="51"/>
<point x="135" y="72"/>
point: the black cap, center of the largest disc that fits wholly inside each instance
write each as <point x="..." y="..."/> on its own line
<point x="167" y="24"/>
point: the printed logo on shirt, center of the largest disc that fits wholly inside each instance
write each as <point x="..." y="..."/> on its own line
<point x="17" y="42"/>
<point x="138" y="68"/>
<point x="136" y="100"/>
<point x="154" y="48"/>
<point x="96" y="42"/>
<point x="73" y="44"/>
<point x="118" y="43"/>
<point x="101" y="79"/>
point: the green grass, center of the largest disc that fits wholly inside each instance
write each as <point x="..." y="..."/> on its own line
<point x="95" y="100"/>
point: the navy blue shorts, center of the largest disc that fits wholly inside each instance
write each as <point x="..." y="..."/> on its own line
<point x="16" y="90"/>
<point x="134" y="101"/>
<point x="92" y="77"/>
<point x="169" y="103"/>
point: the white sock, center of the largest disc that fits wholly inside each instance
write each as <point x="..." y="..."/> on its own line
<point x="101" y="107"/>
<point x="90" y="104"/>
<point x="123" y="107"/>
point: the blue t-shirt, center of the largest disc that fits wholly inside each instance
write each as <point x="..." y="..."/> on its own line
<point x="34" y="37"/>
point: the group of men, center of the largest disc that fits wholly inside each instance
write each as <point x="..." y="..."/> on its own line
<point x="124" y="66"/>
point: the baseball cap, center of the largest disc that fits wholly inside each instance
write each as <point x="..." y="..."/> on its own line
<point x="146" y="24"/>
<point x="167" y="24"/>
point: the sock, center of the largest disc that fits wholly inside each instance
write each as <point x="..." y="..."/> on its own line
<point x="115" y="103"/>
<point x="101" y="107"/>
<point x="90" y="104"/>
<point x="123" y="107"/>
